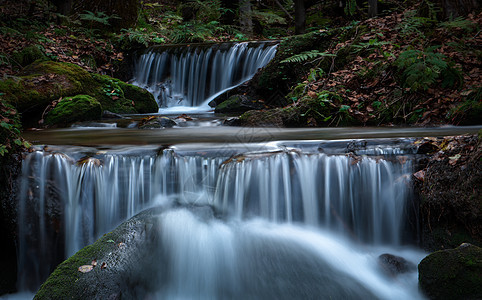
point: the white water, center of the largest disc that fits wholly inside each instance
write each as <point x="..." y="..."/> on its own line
<point x="293" y="198"/>
<point x="256" y="259"/>
<point x="185" y="80"/>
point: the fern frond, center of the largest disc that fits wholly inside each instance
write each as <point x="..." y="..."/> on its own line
<point x="306" y="56"/>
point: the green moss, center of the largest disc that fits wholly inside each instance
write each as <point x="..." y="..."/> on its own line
<point x="60" y="283"/>
<point x="452" y="274"/>
<point x="120" y="97"/>
<point x="28" y="55"/>
<point x="72" y="109"/>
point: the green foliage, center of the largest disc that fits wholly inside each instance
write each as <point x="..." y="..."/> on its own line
<point x="97" y="17"/>
<point x="371" y="44"/>
<point x="413" y="24"/>
<point x="312" y="54"/>
<point x="112" y="89"/>
<point x="420" y="69"/>
<point x="140" y="36"/>
<point x="459" y="22"/>
<point x="350" y="7"/>
<point x="10" y="130"/>
<point x="199" y="32"/>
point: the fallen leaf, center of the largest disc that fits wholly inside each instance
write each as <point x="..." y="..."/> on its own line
<point x="85" y="268"/>
<point x="94" y="263"/>
<point x="103" y="266"/>
<point x="420" y="175"/>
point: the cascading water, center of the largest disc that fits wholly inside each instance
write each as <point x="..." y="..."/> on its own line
<point x="191" y="76"/>
<point x="69" y="199"/>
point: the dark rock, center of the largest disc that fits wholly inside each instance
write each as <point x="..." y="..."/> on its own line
<point x="110" y="115"/>
<point x="238" y="104"/>
<point x="395" y="265"/>
<point x="156" y="122"/>
<point x="232" y="122"/>
<point x="452" y="274"/>
<point x="125" y="264"/>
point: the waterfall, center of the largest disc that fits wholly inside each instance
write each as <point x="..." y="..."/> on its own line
<point x="190" y="76"/>
<point x="69" y="199"/>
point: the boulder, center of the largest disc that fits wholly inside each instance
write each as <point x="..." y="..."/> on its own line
<point x="42" y="82"/>
<point x="452" y="274"/>
<point x="394" y="265"/>
<point x="238" y="104"/>
<point x="72" y="109"/>
<point x="156" y="122"/>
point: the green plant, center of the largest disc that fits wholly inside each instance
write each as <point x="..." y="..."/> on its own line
<point x="459" y="22"/>
<point x="371" y="44"/>
<point x="140" y="36"/>
<point x="350" y="7"/>
<point x="312" y="54"/>
<point x="419" y="68"/>
<point x="413" y="24"/>
<point x="97" y="17"/>
<point x="112" y="89"/>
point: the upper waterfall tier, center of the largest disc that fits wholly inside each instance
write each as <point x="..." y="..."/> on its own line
<point x="190" y="75"/>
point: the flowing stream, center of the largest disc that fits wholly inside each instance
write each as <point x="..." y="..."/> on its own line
<point x="310" y="198"/>
<point x="186" y="79"/>
<point x="254" y="212"/>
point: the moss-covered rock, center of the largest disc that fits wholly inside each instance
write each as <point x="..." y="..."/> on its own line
<point x="72" y="109"/>
<point x="120" y="97"/>
<point x="124" y="253"/>
<point x="452" y="274"/>
<point x="237" y="104"/>
<point x="28" y="55"/>
<point x="45" y="81"/>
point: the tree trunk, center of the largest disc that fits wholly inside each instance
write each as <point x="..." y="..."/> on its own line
<point x="372" y="8"/>
<point x="300" y="16"/>
<point x="245" y="16"/>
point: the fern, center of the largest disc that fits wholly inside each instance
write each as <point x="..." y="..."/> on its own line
<point x="459" y="22"/>
<point x="99" y="17"/>
<point x="306" y="56"/>
<point x="420" y="69"/>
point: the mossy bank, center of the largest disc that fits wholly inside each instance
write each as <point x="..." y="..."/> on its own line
<point x="43" y="84"/>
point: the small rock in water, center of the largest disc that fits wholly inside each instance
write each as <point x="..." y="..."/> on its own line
<point x="394" y="265"/>
<point x="110" y="115"/>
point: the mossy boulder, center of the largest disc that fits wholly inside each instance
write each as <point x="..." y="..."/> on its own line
<point x="452" y="274"/>
<point x="119" y="97"/>
<point x="72" y="109"/>
<point x="42" y="82"/>
<point x="28" y="55"/>
<point x="45" y="81"/>
<point x="124" y="253"/>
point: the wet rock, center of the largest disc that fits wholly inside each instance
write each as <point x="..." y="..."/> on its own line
<point x="156" y="122"/>
<point x="452" y="274"/>
<point x="394" y="265"/>
<point x="232" y="122"/>
<point x="110" y="115"/>
<point x="120" y="255"/>
<point x="238" y="104"/>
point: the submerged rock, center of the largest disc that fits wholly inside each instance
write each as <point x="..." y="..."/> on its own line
<point x="394" y="265"/>
<point x="452" y="274"/>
